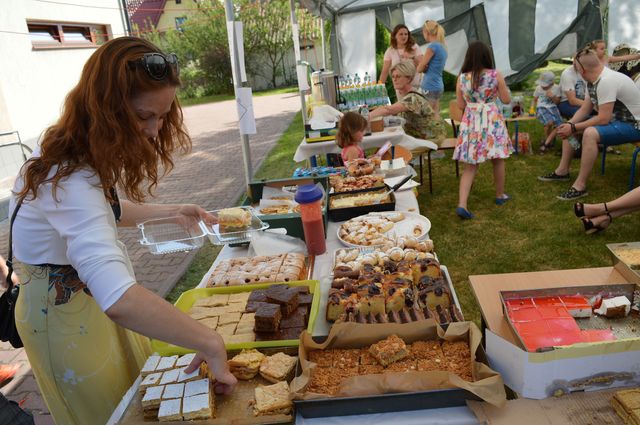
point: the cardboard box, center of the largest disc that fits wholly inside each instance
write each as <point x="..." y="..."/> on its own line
<point x="580" y="367"/>
<point x="291" y="221"/>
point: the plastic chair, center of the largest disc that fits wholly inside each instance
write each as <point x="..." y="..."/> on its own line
<point x="632" y="174"/>
<point x="455" y="116"/>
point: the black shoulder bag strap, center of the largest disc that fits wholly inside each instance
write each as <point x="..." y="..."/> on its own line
<point x="10" y="251"/>
<point x="8" y="330"/>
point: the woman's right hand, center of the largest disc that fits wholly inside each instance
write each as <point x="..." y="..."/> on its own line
<point x="225" y="382"/>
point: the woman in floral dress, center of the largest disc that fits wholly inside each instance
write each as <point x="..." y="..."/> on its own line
<point x="483" y="134"/>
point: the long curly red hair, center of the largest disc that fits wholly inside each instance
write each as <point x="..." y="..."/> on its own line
<point x="99" y="129"/>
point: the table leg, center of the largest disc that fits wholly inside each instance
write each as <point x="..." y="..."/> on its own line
<point x="516" y="129"/>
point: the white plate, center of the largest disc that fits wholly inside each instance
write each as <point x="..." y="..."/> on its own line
<point x="401" y="228"/>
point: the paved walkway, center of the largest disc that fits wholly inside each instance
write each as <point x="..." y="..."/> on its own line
<point x="212" y="175"/>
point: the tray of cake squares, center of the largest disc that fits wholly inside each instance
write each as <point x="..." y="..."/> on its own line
<point x="178" y="233"/>
<point x="400" y="281"/>
<point x="362" y="368"/>
<point x="261" y="269"/>
<point x="167" y="394"/>
<point x="251" y="316"/>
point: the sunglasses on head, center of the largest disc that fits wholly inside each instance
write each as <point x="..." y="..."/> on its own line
<point x="157" y="65"/>
<point x="583" y="52"/>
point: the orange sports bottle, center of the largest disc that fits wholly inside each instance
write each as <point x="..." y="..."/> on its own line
<point x="309" y="196"/>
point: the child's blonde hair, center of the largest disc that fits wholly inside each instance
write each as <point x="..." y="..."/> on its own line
<point x="435" y="29"/>
<point x="350" y="123"/>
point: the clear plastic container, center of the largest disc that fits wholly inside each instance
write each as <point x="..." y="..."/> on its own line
<point x="172" y="234"/>
<point x="179" y="234"/>
<point x="219" y="236"/>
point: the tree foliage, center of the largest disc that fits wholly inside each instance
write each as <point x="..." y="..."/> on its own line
<point x="203" y="50"/>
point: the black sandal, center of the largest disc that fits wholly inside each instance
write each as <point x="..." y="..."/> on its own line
<point x="590" y="228"/>
<point x="578" y="209"/>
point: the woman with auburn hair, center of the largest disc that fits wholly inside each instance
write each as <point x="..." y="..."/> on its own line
<point x="432" y="64"/>
<point x="80" y="313"/>
<point x="403" y="47"/>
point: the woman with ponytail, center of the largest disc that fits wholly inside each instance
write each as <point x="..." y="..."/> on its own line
<point x="432" y="64"/>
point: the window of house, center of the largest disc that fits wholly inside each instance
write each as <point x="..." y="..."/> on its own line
<point x="180" y="21"/>
<point x="51" y="35"/>
<point x="178" y="1"/>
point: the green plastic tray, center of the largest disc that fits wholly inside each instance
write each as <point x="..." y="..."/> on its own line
<point x="188" y="298"/>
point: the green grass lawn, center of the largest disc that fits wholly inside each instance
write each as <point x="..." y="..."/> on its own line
<point x="533" y="232"/>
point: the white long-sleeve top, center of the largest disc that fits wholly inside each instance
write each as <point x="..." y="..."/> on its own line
<point x="77" y="229"/>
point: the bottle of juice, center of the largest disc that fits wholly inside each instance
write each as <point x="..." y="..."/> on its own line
<point x="309" y="196"/>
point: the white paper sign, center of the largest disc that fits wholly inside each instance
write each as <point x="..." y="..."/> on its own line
<point x="244" y="102"/>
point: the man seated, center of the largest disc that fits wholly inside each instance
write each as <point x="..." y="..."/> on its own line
<point x="572" y="88"/>
<point x="616" y="100"/>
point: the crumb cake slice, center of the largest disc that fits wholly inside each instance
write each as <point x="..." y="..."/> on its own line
<point x="246" y="364"/>
<point x="389" y="350"/>
<point x="272" y="399"/>
<point x="276" y="368"/>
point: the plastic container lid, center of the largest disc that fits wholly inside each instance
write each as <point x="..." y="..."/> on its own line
<point x="308" y="193"/>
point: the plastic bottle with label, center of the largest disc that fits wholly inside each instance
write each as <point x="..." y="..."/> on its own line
<point x="309" y="196"/>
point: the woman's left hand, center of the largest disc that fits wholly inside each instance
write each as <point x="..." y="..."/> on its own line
<point x="194" y="211"/>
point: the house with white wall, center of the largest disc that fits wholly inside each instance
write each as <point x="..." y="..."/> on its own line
<point x="43" y="47"/>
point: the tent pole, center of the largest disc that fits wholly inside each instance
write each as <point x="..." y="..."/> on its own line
<point x="237" y="83"/>
<point x="324" y="56"/>
<point x="296" y="48"/>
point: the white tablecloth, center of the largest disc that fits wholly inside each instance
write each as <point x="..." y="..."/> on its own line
<point x="395" y="135"/>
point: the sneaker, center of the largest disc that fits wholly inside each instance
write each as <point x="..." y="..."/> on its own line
<point x="572" y="194"/>
<point x="553" y="177"/>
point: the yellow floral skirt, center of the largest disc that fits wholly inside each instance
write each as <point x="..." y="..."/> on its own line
<point x="83" y="361"/>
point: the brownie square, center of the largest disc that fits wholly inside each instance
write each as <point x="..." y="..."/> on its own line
<point x="305" y="299"/>
<point x="267" y="318"/>
<point x="302" y="290"/>
<point x="297" y="319"/>
<point x="258" y="295"/>
<point x="288" y="300"/>
<point x="252" y="306"/>
<point x="291" y="333"/>
<point x="274" y="289"/>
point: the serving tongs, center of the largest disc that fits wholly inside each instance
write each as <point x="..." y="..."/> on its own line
<point x="392" y="189"/>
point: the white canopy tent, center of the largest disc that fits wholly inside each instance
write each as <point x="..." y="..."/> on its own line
<point x="522" y="33"/>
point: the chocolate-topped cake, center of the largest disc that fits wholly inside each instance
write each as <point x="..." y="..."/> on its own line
<point x="267" y="318"/>
<point x="287" y="299"/>
<point x="296" y="319"/>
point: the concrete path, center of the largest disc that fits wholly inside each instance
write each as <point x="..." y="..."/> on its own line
<point x="212" y="175"/>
